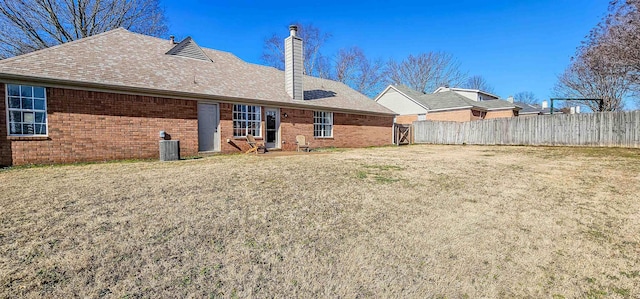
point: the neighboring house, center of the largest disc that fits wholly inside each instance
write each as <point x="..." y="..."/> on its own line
<point x="471" y="94"/>
<point x="412" y="105"/>
<point x="108" y="96"/>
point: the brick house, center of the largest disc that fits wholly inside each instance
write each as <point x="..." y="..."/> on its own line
<point x="443" y="104"/>
<point x="108" y="96"/>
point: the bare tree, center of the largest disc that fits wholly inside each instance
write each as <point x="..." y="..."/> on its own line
<point x="29" y="25"/>
<point x="614" y="43"/>
<point x="526" y="97"/>
<point x="315" y="63"/>
<point x="478" y="82"/>
<point x="426" y="72"/>
<point x="607" y="64"/>
<point x="586" y="78"/>
<point x="353" y="68"/>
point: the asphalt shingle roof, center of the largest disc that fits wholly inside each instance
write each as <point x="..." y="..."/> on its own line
<point x="120" y="59"/>
<point x="528" y="109"/>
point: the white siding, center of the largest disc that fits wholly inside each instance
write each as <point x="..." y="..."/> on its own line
<point x="468" y="94"/>
<point x="400" y="104"/>
<point x="293" y="67"/>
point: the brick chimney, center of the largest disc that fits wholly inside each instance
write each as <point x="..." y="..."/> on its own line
<point x="293" y="64"/>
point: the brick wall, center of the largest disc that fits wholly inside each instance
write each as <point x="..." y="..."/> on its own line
<point x="457" y="115"/>
<point x="98" y="126"/>
<point x="406" y="119"/>
<point x="499" y="114"/>
<point x="349" y="130"/>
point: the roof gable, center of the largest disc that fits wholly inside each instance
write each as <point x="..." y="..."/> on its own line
<point x="188" y="48"/>
<point x="399" y="102"/>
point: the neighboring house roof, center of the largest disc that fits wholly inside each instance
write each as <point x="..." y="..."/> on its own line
<point x="414" y="94"/>
<point x="535" y="109"/>
<point x="497" y="105"/>
<point x="450" y="100"/>
<point x="124" y="61"/>
<point x="527" y="108"/>
<point x="442" y="89"/>
<point x="445" y="100"/>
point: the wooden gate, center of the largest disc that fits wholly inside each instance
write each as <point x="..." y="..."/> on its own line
<point x="402" y="134"/>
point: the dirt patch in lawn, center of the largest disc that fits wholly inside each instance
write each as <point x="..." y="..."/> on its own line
<point x="415" y="221"/>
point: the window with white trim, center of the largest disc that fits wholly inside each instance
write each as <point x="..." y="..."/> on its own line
<point x="322" y="124"/>
<point x="26" y="110"/>
<point x="246" y="120"/>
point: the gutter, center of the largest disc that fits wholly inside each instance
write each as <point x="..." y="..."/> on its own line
<point x="110" y="88"/>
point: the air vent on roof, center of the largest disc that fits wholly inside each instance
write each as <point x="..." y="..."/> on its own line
<point x="188" y="48"/>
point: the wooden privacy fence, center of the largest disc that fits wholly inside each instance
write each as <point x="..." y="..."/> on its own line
<point x="618" y="129"/>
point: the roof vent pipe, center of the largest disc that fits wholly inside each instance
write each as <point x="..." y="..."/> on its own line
<point x="544" y="104"/>
<point x="172" y="40"/>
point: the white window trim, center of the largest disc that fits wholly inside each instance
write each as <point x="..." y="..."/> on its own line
<point x="246" y="120"/>
<point x="7" y="109"/>
<point x="322" y="124"/>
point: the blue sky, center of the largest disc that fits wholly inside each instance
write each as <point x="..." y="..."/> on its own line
<point x="515" y="45"/>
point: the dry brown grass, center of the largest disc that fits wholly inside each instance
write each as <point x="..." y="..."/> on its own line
<point x="417" y="221"/>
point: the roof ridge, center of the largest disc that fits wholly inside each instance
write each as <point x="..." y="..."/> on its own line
<point x="73" y="42"/>
<point x="203" y="48"/>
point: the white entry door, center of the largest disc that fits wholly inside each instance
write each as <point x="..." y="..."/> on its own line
<point x="208" y="121"/>
<point x="272" y="121"/>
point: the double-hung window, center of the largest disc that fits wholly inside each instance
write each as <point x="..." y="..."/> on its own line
<point x="26" y="110"/>
<point x="246" y="120"/>
<point x="322" y="124"/>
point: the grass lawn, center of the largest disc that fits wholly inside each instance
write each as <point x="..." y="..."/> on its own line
<point x="417" y="221"/>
